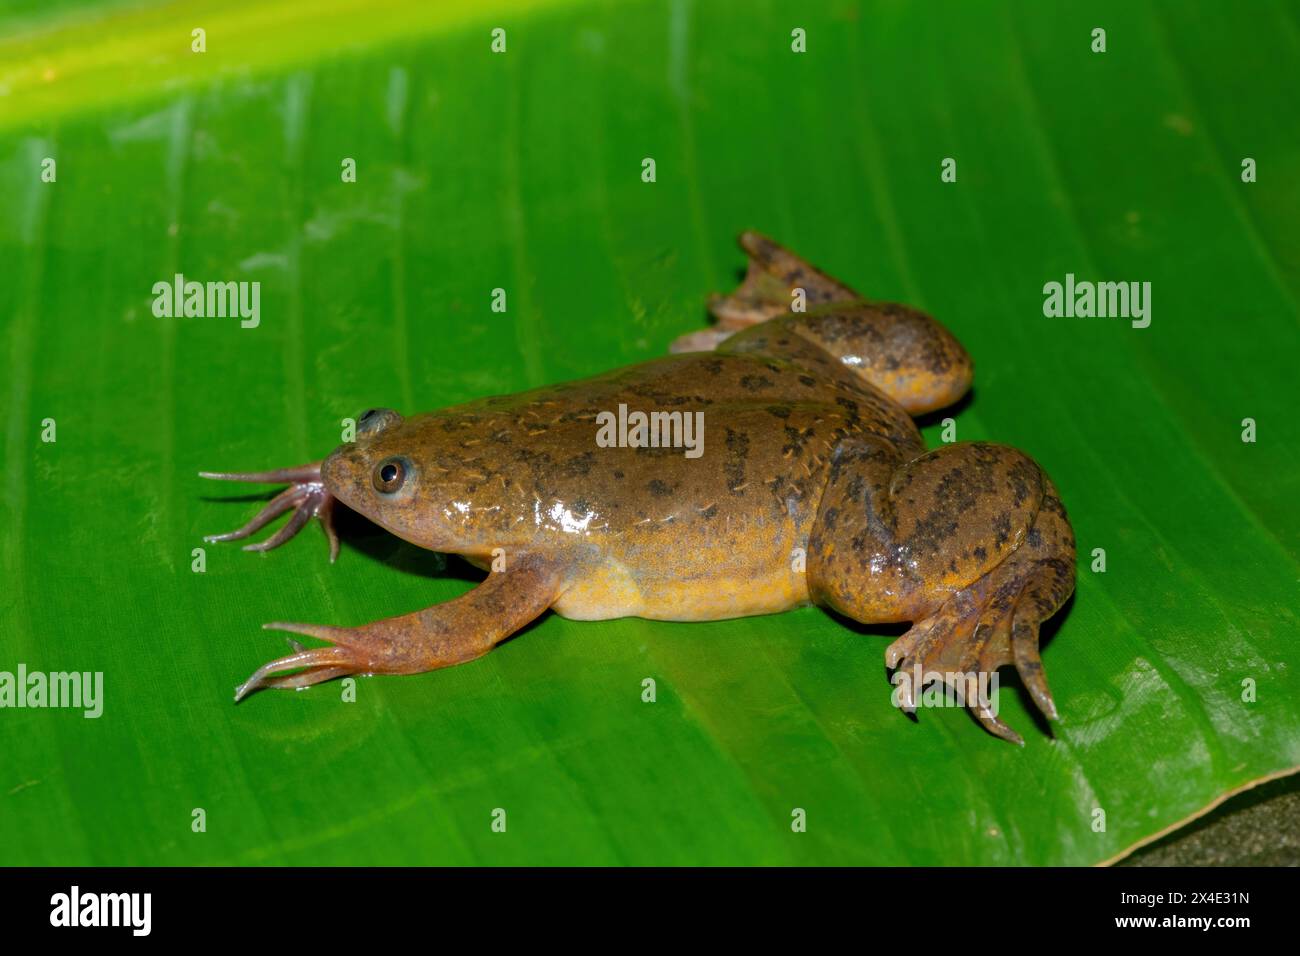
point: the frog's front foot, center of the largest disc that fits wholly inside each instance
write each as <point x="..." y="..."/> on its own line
<point x="992" y="622"/>
<point x="306" y="495"/>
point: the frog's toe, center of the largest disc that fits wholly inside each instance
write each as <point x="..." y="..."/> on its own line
<point x="306" y="496"/>
<point x="351" y="651"/>
<point x="774" y="280"/>
<point x="1049" y="582"/>
<point x="705" y="340"/>
<point x="956" y="650"/>
<point x="1024" y="645"/>
<point x="774" y="274"/>
<point x="996" y="725"/>
<point x="277" y="506"/>
<point x="303" y="668"/>
<point x="975" y="632"/>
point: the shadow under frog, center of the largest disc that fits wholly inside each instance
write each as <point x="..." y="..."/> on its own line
<point x="814" y="486"/>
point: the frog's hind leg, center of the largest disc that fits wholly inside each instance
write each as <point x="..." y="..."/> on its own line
<point x="970" y="542"/>
<point x="306" y="496"/>
<point x="899" y="350"/>
<point x="902" y="351"/>
<point x="454" y="632"/>
<point x="768" y="291"/>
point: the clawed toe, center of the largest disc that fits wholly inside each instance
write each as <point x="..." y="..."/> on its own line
<point x="705" y="340"/>
<point x="305" y="666"/>
<point x="1024" y="647"/>
<point x="996" y="726"/>
<point x="973" y="634"/>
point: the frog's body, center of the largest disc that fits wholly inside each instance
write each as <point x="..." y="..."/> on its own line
<point x="659" y="535"/>
<point x="807" y="481"/>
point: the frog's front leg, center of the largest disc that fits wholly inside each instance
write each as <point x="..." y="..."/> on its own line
<point x="306" y="495"/>
<point x="969" y="542"/>
<point x="454" y="632"/>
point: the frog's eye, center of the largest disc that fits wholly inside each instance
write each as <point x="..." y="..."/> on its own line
<point x="389" y="475"/>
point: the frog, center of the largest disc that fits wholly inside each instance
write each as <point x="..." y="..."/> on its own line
<point x="811" y="485"/>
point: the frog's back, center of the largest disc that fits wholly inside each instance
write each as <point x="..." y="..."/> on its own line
<point x="714" y="383"/>
<point x="708" y="527"/>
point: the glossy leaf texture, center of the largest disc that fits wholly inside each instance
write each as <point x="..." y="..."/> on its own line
<point x="1175" y="668"/>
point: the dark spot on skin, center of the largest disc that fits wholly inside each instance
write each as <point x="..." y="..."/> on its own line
<point x="780" y="411"/>
<point x="795" y="440"/>
<point x="855" y="488"/>
<point x="1002" y="525"/>
<point x="935" y="528"/>
<point x="807" y="381"/>
<point x="737" y="456"/>
<point x="709" y="512"/>
<point x="1034" y="538"/>
<point x="537" y="459"/>
<point x="648" y="451"/>
<point x="659" y="489"/>
<point x="580" y="415"/>
<point x="1052" y="503"/>
<point x="753" y="383"/>
<point x="618" y="474"/>
<point x="980" y="553"/>
<point x="581" y="465"/>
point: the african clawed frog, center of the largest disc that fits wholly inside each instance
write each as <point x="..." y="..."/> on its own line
<point x="814" y="485"/>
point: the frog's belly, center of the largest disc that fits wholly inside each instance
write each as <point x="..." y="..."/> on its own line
<point x="613" y="590"/>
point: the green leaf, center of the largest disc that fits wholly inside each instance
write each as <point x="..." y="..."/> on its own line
<point x="521" y="171"/>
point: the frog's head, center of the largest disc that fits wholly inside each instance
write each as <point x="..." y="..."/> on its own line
<point x="378" y="475"/>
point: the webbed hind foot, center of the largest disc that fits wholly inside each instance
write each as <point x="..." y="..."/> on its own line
<point x="979" y="629"/>
<point x="767" y="292"/>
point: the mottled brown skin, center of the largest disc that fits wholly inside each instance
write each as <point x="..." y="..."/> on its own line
<point x="814" y="486"/>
